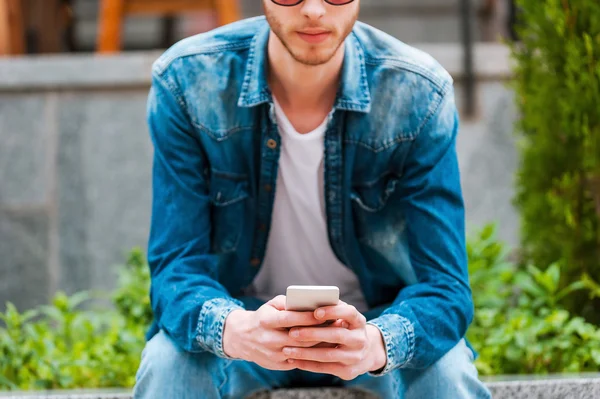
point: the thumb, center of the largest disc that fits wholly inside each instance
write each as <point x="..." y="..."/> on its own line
<point x="278" y="302"/>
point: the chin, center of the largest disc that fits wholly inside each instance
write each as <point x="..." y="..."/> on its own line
<point x="314" y="58"/>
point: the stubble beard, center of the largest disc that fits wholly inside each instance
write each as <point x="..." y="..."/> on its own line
<point x="318" y="58"/>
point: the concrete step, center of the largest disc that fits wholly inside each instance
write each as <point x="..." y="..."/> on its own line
<point x="586" y="386"/>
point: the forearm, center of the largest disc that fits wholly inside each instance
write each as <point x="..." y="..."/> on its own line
<point x="192" y="309"/>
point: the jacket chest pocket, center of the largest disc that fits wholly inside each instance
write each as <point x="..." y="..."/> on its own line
<point x="376" y="221"/>
<point x="229" y="197"/>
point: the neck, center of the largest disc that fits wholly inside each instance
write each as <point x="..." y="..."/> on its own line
<point x="299" y="86"/>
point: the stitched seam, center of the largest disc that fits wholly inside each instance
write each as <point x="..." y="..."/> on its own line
<point x="173" y="90"/>
<point x="434" y="111"/>
<point x="215" y="134"/>
<point x="440" y="83"/>
<point x="410" y="336"/>
<point x="166" y="61"/>
<point x="363" y="71"/>
<point x="371" y="183"/>
<point x="390" y="353"/>
<point x="249" y="69"/>
<point x="231" y="201"/>
<point x="408" y="137"/>
<point x="201" y="320"/>
<point x="229" y="175"/>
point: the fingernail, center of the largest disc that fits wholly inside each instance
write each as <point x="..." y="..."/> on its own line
<point x="345" y="325"/>
<point x="295" y="333"/>
<point x="290" y="360"/>
<point x="287" y="351"/>
<point x="320" y="313"/>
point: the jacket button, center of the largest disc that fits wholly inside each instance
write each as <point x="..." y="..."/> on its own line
<point x="255" y="262"/>
<point x="272" y="144"/>
<point x="262" y="227"/>
<point x="268" y="188"/>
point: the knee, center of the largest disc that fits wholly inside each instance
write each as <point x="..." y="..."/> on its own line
<point x="455" y="364"/>
<point x="454" y="374"/>
<point x="162" y="354"/>
<point x="164" y="365"/>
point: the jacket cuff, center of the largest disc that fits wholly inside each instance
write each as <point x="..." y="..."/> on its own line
<point x="399" y="339"/>
<point x="211" y="324"/>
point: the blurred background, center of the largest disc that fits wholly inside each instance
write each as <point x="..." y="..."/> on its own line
<point x="74" y="151"/>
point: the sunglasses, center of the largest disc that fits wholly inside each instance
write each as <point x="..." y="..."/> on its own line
<point x="291" y="3"/>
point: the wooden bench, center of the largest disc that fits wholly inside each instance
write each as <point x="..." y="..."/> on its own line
<point x="114" y="12"/>
<point x="12" y="38"/>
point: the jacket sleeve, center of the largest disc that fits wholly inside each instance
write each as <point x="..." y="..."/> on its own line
<point x="188" y="302"/>
<point x="429" y="318"/>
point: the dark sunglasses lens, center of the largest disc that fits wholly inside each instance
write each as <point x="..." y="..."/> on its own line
<point x="287" y="3"/>
<point x="339" y="2"/>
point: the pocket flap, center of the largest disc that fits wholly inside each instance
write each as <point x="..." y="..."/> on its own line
<point x="227" y="189"/>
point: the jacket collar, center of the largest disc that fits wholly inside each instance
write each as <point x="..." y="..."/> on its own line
<point x="353" y="94"/>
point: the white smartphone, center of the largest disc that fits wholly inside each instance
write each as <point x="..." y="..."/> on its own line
<point x="306" y="298"/>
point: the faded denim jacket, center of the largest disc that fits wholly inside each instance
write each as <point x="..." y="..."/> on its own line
<point x="394" y="206"/>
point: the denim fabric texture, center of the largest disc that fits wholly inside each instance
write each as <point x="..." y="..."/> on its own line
<point x="394" y="205"/>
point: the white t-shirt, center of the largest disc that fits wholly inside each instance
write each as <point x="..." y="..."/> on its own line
<point x="298" y="250"/>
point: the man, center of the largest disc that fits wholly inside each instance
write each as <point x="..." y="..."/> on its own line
<point x="305" y="148"/>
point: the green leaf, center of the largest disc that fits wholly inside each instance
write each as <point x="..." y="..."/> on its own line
<point x="595" y="353"/>
<point x="553" y="277"/>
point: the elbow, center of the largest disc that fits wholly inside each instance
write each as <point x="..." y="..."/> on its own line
<point x="467" y="311"/>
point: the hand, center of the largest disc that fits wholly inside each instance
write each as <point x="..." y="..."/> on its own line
<point x="359" y="349"/>
<point x="259" y="336"/>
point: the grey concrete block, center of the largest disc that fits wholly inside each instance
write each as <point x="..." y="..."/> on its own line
<point x="545" y="387"/>
<point x="314" y="393"/>
<point x="488" y="161"/>
<point x="24" y="139"/>
<point x="105" y="182"/>
<point x="77" y="71"/>
<point x="24" y="248"/>
<point x="521" y="387"/>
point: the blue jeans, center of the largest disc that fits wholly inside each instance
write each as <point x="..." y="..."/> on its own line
<point x="169" y="372"/>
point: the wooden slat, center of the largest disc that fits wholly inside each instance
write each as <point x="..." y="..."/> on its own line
<point x="113" y="13"/>
<point x="110" y="27"/>
<point x="165" y="7"/>
<point x="228" y="11"/>
<point x="46" y="20"/>
<point x="12" y="32"/>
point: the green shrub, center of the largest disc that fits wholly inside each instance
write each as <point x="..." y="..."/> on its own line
<point x="63" y="346"/>
<point x="520" y="325"/>
<point x="558" y="94"/>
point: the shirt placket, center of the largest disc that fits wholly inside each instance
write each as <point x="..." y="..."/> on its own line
<point x="270" y="152"/>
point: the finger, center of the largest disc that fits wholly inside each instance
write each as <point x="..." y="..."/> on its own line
<point x="287" y="319"/>
<point x="337" y="369"/>
<point x="280" y="339"/>
<point x="342" y="311"/>
<point x="340" y="323"/>
<point x="319" y="345"/>
<point x="324" y="355"/>
<point x="332" y="335"/>
<point x="278" y="302"/>
<point x="278" y="366"/>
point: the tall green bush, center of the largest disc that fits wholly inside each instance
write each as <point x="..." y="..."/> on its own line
<point x="558" y="94"/>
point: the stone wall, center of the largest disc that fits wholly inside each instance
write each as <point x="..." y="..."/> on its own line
<point x="75" y="162"/>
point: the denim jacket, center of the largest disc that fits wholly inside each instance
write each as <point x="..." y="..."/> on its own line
<point x="394" y="206"/>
